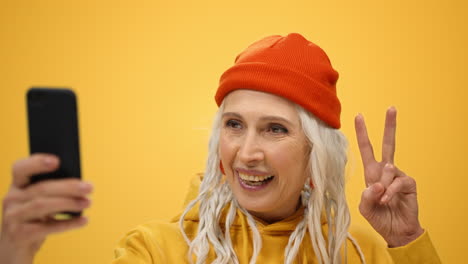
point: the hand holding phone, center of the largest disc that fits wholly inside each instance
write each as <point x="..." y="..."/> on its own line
<point x="28" y="209"/>
<point x="44" y="184"/>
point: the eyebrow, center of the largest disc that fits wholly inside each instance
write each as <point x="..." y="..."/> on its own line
<point x="263" y="118"/>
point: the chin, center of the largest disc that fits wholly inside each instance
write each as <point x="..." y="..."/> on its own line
<point x="254" y="205"/>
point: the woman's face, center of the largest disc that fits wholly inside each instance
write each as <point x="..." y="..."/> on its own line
<point x="264" y="153"/>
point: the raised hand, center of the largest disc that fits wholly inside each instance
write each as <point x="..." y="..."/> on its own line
<point x="389" y="202"/>
<point x="28" y="209"/>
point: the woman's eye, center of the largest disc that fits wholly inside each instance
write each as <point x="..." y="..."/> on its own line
<point x="233" y="124"/>
<point x="278" y="129"/>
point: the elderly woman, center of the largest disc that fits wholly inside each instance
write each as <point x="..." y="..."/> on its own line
<point x="274" y="186"/>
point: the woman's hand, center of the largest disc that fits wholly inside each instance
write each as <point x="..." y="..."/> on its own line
<point x="28" y="210"/>
<point x="389" y="203"/>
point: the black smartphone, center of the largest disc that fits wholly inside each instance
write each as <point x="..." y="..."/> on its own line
<point x="53" y="128"/>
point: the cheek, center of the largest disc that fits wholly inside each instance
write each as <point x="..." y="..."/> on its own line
<point x="226" y="151"/>
<point x="291" y="162"/>
<point x="286" y="156"/>
<point x="279" y="158"/>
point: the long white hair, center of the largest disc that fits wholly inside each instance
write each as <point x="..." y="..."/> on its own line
<point x="327" y="162"/>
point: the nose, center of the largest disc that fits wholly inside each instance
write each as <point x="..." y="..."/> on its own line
<point x="250" y="151"/>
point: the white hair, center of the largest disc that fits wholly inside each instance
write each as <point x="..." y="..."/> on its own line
<point x="327" y="162"/>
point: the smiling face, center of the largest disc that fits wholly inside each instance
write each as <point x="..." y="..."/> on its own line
<point x="264" y="153"/>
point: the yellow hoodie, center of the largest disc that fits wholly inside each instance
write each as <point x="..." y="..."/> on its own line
<point x="162" y="242"/>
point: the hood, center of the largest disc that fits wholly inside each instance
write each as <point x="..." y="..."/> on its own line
<point x="285" y="225"/>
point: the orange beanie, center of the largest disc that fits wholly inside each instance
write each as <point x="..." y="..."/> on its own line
<point x="291" y="67"/>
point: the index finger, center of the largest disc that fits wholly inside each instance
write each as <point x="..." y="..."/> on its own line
<point x="365" y="146"/>
<point x="22" y="170"/>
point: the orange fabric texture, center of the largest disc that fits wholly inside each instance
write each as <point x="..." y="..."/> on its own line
<point x="291" y="67"/>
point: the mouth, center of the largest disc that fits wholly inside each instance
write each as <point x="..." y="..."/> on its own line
<point x="254" y="182"/>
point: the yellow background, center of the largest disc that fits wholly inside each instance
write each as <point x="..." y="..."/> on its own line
<point x="146" y="71"/>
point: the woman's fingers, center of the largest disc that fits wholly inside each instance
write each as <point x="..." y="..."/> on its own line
<point x="37" y="202"/>
<point x="37" y="231"/>
<point x="365" y="146"/>
<point x="42" y="208"/>
<point x="392" y="182"/>
<point x="401" y="184"/>
<point x="28" y="209"/>
<point x="370" y="198"/>
<point x="374" y="172"/>
<point x="388" y="175"/>
<point x="35" y="164"/>
<point x="68" y="188"/>
<point x="59" y="188"/>
<point x="388" y="144"/>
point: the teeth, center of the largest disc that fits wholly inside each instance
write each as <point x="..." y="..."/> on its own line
<point x="253" y="178"/>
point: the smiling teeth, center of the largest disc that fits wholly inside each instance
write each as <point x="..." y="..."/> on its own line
<point x="253" y="178"/>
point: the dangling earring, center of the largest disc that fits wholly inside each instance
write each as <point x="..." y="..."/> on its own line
<point x="221" y="167"/>
<point x="306" y="192"/>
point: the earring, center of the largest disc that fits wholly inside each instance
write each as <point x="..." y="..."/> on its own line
<point x="221" y="167"/>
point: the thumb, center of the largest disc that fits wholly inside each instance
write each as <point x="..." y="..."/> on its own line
<point x="370" y="199"/>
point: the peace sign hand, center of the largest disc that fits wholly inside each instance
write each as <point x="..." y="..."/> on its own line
<point x="389" y="202"/>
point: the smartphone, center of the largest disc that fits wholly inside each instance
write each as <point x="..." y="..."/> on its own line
<point x="53" y="128"/>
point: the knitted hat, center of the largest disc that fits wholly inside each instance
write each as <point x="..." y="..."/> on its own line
<point x="291" y="67"/>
